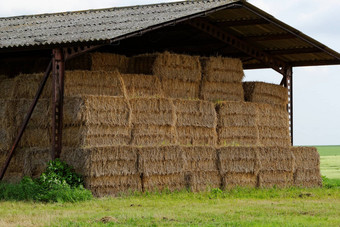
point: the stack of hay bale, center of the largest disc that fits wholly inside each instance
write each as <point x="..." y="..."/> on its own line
<point x="179" y="75"/>
<point x="151" y="122"/>
<point x="196" y="122"/>
<point x="221" y="79"/>
<point x="237" y="124"/>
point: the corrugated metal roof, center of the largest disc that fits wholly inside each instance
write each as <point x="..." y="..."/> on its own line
<point x="94" y="25"/>
<point x="235" y="17"/>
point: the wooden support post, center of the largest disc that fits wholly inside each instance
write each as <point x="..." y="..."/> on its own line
<point x="58" y="72"/>
<point x="288" y="83"/>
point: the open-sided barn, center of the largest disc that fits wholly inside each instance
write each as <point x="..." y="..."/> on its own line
<point x="151" y="97"/>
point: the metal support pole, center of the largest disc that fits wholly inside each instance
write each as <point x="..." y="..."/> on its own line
<point x="289" y="85"/>
<point x="27" y="118"/>
<point x="58" y="72"/>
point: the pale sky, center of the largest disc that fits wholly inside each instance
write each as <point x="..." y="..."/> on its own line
<point x="316" y="89"/>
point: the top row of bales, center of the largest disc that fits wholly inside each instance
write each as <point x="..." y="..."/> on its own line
<point x="160" y="74"/>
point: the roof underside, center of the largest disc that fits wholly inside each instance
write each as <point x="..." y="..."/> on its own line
<point x="149" y="28"/>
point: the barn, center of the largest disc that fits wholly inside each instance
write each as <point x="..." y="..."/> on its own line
<point x="151" y="97"/>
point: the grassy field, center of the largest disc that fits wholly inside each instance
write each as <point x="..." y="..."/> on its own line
<point x="242" y="207"/>
<point x="239" y="207"/>
<point x="330" y="161"/>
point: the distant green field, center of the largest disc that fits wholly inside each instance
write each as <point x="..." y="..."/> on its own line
<point x="328" y="150"/>
<point x="330" y="161"/>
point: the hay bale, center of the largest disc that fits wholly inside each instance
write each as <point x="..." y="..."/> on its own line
<point x="97" y="110"/>
<point x="108" y="171"/>
<point x="99" y="62"/>
<point x="178" y="89"/>
<point x="168" y="66"/>
<point x="161" y="167"/>
<point x="36" y="161"/>
<point x="221" y="91"/>
<point x="139" y="85"/>
<point x="201" y="168"/>
<point x="197" y="136"/>
<point x="239" y="166"/>
<point x="273" y="126"/>
<point x="153" y="111"/>
<point x="6" y="87"/>
<point x="113" y="185"/>
<point x="277" y="167"/>
<point x="153" y="135"/>
<point x="261" y="92"/>
<point x="195" y="113"/>
<point x="93" y="83"/>
<point x="153" y="121"/>
<point x="307" y="167"/>
<point x="15" y="170"/>
<point x="237" y="124"/>
<point x="220" y="69"/>
<point x="196" y="122"/>
<point x="76" y="83"/>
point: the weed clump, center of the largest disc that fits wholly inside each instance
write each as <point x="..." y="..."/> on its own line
<point x="59" y="183"/>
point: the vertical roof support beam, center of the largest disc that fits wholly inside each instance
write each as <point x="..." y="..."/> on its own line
<point x="58" y="74"/>
<point x="218" y="33"/>
<point x="288" y="83"/>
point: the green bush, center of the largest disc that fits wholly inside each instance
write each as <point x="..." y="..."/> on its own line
<point x="59" y="183"/>
<point x="330" y="183"/>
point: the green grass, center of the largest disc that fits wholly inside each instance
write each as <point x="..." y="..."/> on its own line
<point x="239" y="207"/>
<point x="329" y="150"/>
<point x="330" y="161"/>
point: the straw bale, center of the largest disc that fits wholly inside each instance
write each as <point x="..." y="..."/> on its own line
<point x="201" y="168"/>
<point x="26" y="86"/>
<point x="168" y="66"/>
<point x="272" y="116"/>
<point x="113" y="185"/>
<point x="239" y="166"/>
<point x="238" y="160"/>
<point x="153" y="111"/>
<point x="237" y="136"/>
<point x="307" y="167"/>
<point x="93" y="83"/>
<point x="279" y="179"/>
<point x="178" y="89"/>
<point x="276" y="159"/>
<point x="273" y="133"/>
<point x="200" y="158"/>
<point x="203" y="180"/>
<point x="99" y="61"/>
<point x="195" y="113"/>
<point x="194" y="135"/>
<point x="140" y="85"/>
<point x="277" y="166"/>
<point x="15" y="170"/>
<point x="6" y="88"/>
<point x="231" y="180"/>
<point x="218" y="91"/>
<point x="97" y="110"/>
<point x="157" y="182"/>
<point x="160" y="160"/>
<point x="219" y="69"/>
<point x="96" y="135"/>
<point x="161" y="167"/>
<point x="266" y="93"/>
<point x="236" y="108"/>
<point x="36" y="137"/>
<point x="153" y="135"/>
<point x="36" y="161"/>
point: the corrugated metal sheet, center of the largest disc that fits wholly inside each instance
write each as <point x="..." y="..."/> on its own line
<point x="244" y="21"/>
<point x="94" y="25"/>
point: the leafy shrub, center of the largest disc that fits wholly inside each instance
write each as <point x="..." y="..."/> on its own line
<point x="330" y="183"/>
<point x="59" y="183"/>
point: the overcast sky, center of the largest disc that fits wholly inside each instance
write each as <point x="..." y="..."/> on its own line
<point x="316" y="89"/>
